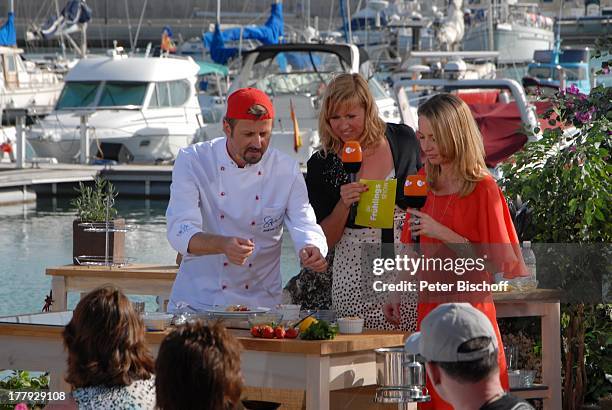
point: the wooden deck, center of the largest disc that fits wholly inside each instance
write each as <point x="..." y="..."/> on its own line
<point x="146" y="181"/>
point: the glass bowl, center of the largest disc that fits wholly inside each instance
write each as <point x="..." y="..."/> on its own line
<point x="267" y="318"/>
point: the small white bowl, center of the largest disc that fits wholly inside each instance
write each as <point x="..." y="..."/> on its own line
<point x="157" y="320"/>
<point x="350" y="325"/>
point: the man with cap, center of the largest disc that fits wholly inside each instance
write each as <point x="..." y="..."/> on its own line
<point x="229" y="199"/>
<point x="460" y="348"/>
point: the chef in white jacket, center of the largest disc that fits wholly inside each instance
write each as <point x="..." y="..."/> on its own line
<point x="229" y="199"/>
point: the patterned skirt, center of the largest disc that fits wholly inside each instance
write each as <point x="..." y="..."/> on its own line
<point x="352" y="290"/>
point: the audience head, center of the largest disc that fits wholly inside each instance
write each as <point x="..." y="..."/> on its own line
<point x="349" y="113"/>
<point x="460" y="346"/>
<point x="105" y="340"/>
<point x="198" y="367"/>
<point x="448" y="135"/>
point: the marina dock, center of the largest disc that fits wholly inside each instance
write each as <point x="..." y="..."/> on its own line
<point x="24" y="185"/>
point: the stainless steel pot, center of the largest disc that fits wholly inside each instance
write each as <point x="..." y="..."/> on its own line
<point x="389" y="366"/>
<point x="414" y="374"/>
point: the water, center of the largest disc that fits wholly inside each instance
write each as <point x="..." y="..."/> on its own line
<point x="36" y="236"/>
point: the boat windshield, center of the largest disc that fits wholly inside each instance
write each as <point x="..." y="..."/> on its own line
<point x="112" y="94"/>
<point x="301" y="72"/>
<point x="571" y="73"/>
<point x="78" y="94"/>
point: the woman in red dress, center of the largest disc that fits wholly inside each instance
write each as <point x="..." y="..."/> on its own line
<point x="464" y="206"/>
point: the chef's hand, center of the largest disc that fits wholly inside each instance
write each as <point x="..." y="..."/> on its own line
<point x="311" y="258"/>
<point x="237" y="250"/>
<point x="350" y="193"/>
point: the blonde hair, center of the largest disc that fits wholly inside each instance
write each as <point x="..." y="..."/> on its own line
<point x="347" y="90"/>
<point x="458" y="139"/>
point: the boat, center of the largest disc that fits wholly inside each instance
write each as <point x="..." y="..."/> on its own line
<point x="515" y="30"/>
<point x="23" y="85"/>
<point x="136" y="109"/>
<point x="561" y="68"/>
<point x="507" y="119"/>
<point x="296" y="75"/>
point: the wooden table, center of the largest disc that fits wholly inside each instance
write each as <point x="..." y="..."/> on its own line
<point x="158" y="280"/>
<point x="34" y="342"/>
<point x="545" y="304"/>
<point x="133" y="279"/>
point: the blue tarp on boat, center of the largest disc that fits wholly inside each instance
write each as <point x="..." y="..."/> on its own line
<point x="75" y="12"/>
<point x="270" y="33"/>
<point x="8" y="36"/>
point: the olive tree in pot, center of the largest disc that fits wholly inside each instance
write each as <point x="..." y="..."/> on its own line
<point x="94" y="204"/>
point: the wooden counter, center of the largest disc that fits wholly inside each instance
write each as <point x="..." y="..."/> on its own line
<point x="34" y="342"/>
<point x="157" y="280"/>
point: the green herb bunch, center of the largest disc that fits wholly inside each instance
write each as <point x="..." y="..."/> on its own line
<point x="91" y="202"/>
<point x="321" y="330"/>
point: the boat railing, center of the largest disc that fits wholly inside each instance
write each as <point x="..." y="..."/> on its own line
<point x="527" y="111"/>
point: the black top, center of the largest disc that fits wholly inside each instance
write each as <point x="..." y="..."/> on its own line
<point x="325" y="174"/>
<point x="507" y="402"/>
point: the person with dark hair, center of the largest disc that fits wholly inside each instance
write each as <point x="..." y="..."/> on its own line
<point x="229" y="200"/>
<point x="460" y="347"/>
<point x="109" y="365"/>
<point x="198" y="368"/>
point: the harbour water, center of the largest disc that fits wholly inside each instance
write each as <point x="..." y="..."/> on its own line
<point x="36" y="236"/>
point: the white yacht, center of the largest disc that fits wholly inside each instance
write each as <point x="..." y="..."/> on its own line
<point x="515" y="30"/>
<point x="24" y="85"/>
<point x="297" y="74"/>
<point x="137" y="109"/>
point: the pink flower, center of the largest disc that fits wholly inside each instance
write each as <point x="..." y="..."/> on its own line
<point x="21" y="406"/>
<point x="583" y="117"/>
<point x="573" y="90"/>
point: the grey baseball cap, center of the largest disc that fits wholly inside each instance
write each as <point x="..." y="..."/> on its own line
<point x="446" y="328"/>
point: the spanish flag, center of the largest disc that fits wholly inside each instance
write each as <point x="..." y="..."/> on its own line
<point x="297" y="139"/>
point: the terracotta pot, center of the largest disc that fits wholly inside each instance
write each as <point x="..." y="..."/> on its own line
<point x="94" y="243"/>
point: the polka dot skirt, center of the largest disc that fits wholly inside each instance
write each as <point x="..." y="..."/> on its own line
<point x="352" y="291"/>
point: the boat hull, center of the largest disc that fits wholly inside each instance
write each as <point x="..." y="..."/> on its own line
<point x="516" y="43"/>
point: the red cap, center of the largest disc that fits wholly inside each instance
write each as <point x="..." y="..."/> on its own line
<point x="240" y="101"/>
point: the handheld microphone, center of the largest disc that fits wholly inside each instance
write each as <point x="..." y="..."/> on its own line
<point x="415" y="195"/>
<point x="351" y="161"/>
<point x="351" y="158"/>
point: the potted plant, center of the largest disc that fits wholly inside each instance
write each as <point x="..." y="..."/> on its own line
<point x="94" y="204"/>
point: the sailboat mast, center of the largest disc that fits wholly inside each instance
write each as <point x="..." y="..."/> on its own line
<point x="62" y="42"/>
<point x="12" y="6"/>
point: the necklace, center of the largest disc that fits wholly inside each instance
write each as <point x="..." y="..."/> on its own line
<point x="433" y="208"/>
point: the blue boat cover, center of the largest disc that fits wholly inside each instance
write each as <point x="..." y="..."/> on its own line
<point x="8" y="36"/>
<point x="270" y="33"/>
<point x="74" y="12"/>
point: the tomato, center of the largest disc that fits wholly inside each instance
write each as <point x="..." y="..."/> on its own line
<point x="279" y="332"/>
<point x="256" y="331"/>
<point x="267" y="332"/>
<point x="291" y="333"/>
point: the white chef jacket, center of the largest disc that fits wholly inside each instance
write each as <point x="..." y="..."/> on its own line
<point x="210" y="193"/>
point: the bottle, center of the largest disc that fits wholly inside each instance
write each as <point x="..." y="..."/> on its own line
<point x="530" y="263"/>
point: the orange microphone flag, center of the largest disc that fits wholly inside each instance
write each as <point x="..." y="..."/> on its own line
<point x="297" y="139"/>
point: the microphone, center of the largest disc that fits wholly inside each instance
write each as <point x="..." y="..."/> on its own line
<point x="351" y="161"/>
<point x="415" y="195"/>
<point x="351" y="158"/>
